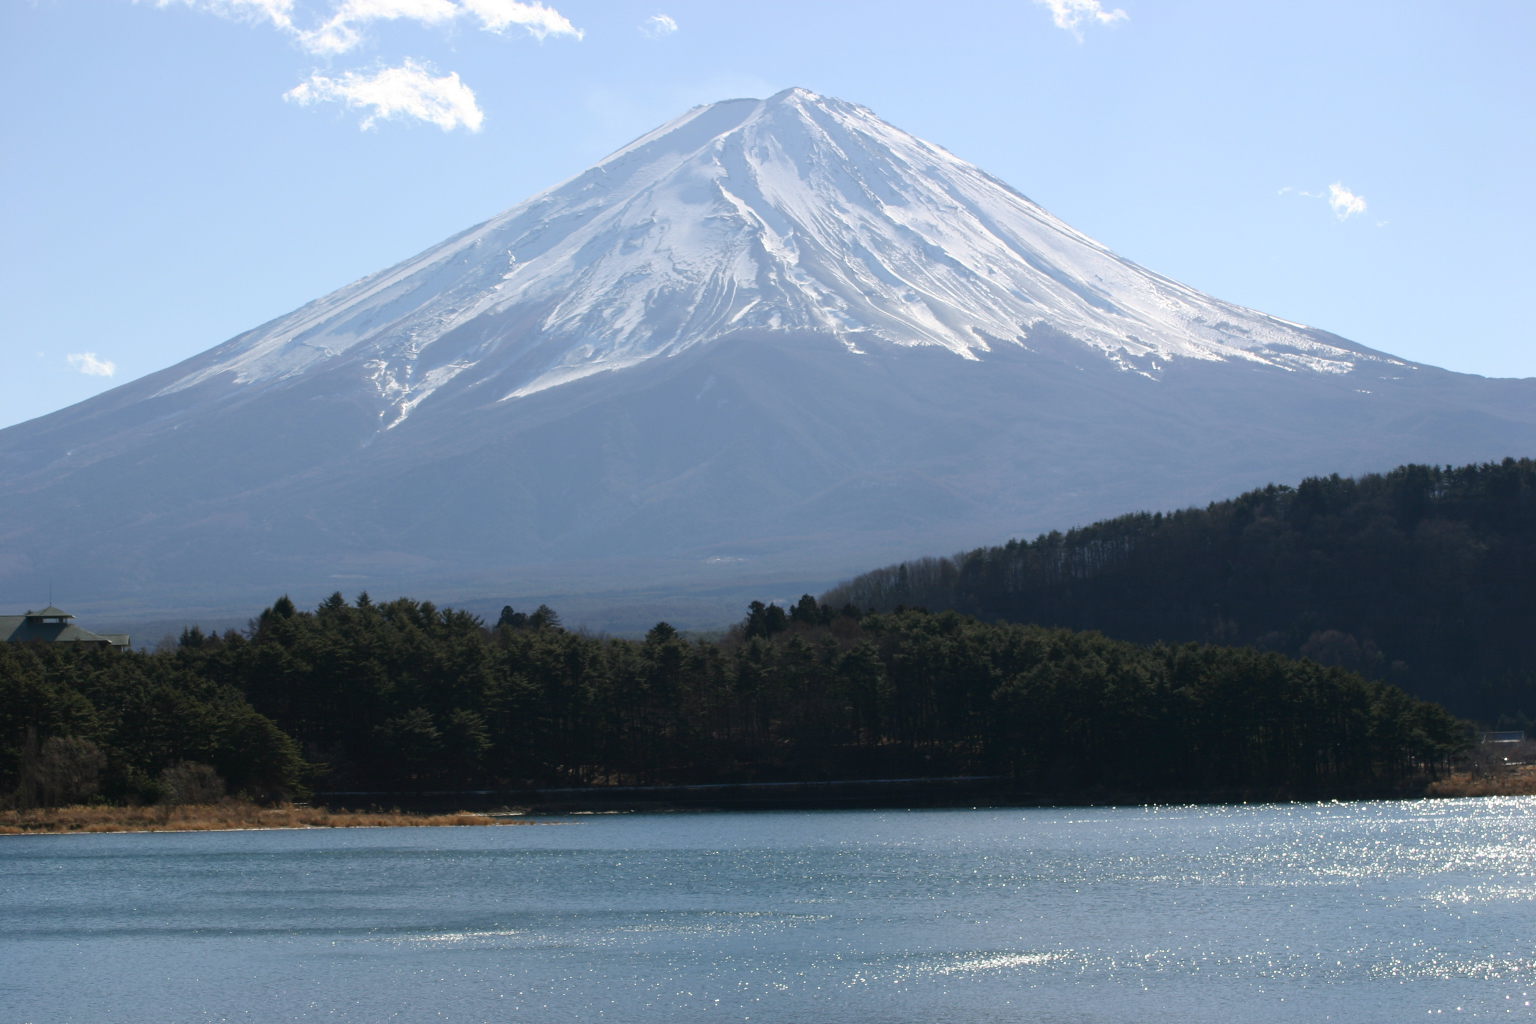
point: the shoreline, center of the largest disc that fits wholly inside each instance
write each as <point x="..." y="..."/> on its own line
<point x="244" y="816"/>
<point x="228" y="816"/>
<point x="1516" y="780"/>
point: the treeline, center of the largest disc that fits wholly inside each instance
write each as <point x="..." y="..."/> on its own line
<point x="1424" y="577"/>
<point x="404" y="696"/>
<point x="79" y="723"/>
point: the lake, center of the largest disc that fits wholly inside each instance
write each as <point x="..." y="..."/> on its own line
<point x="1359" y="912"/>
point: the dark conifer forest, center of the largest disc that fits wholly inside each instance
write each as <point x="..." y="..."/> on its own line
<point x="1423" y="577"/>
<point x="403" y="696"/>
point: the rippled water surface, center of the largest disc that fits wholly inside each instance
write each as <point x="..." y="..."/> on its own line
<point x="1368" y="912"/>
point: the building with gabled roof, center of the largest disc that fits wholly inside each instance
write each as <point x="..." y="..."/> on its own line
<point x="55" y="626"/>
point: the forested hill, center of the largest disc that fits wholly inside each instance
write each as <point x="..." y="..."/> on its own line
<point x="406" y="697"/>
<point x="1424" y="577"/>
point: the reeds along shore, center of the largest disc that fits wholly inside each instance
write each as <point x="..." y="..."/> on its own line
<point x="223" y="816"/>
<point x="1519" y="781"/>
<point x="232" y="815"/>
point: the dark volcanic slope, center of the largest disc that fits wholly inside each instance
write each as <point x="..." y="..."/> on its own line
<point x="772" y="337"/>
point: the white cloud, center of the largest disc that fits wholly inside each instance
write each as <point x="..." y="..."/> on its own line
<point x="658" y="25"/>
<point x="277" y="12"/>
<point x="540" y="21"/>
<point x="342" y="30"/>
<point x="1344" y="202"/>
<point x="1070" y="14"/>
<point x="92" y="365"/>
<point x="408" y="91"/>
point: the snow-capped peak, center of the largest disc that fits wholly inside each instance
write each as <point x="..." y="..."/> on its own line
<point x="794" y="213"/>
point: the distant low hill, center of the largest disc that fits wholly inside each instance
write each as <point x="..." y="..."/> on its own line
<point x="1424" y="577"/>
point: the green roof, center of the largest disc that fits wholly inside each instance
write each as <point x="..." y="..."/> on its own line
<point x="48" y="626"/>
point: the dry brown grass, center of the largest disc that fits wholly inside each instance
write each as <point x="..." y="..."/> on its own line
<point x="1516" y="781"/>
<point x="227" y="815"/>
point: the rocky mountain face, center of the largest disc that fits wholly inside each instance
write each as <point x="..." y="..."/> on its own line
<point x="772" y="341"/>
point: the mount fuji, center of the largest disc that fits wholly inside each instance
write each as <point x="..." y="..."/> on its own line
<point x="771" y="341"/>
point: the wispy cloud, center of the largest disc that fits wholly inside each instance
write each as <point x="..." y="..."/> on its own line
<point x="410" y="90"/>
<point x="92" y="365"/>
<point x="275" y="12"/>
<point x="1071" y="14"/>
<point x="342" y="31"/>
<point x="1344" y="203"/>
<point x="540" y="21"/>
<point x="658" y="25"/>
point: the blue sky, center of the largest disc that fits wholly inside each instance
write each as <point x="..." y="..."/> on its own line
<point x="177" y="171"/>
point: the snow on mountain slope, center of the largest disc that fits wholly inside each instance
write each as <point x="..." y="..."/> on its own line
<point x="773" y="339"/>
<point x="794" y="213"/>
